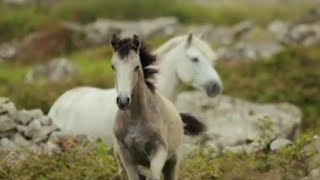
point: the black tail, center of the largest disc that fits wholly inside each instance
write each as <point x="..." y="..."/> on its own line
<point x="192" y="126"/>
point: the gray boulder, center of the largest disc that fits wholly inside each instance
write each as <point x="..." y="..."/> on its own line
<point x="279" y="143"/>
<point x="32" y="129"/>
<point x="24" y="117"/>
<point x="236" y="122"/>
<point x="7" y="144"/>
<point x="6" y="124"/>
<point x="8" y="51"/>
<point x="57" y="70"/>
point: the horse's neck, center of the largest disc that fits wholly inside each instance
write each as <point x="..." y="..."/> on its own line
<point x="168" y="83"/>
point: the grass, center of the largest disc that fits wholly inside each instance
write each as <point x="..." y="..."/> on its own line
<point x="18" y="21"/>
<point x="97" y="162"/>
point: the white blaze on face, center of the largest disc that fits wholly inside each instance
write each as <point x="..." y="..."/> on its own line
<point x="125" y="73"/>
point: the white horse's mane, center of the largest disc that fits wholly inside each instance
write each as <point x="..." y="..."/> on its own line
<point x="202" y="45"/>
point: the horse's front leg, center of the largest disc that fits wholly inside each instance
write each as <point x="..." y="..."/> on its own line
<point x="157" y="162"/>
<point x="127" y="163"/>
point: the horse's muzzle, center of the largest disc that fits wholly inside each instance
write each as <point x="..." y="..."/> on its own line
<point x="213" y="88"/>
<point x="123" y="102"/>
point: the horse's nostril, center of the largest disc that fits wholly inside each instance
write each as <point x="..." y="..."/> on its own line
<point x="213" y="89"/>
<point x="127" y="100"/>
<point x="118" y="100"/>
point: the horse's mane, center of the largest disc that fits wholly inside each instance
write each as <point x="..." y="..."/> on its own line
<point x="197" y="42"/>
<point x="146" y="59"/>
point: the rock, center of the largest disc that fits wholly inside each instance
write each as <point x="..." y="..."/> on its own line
<point x="6" y="124"/>
<point x="24" y="117"/>
<point x="45" y="121"/>
<point x="8" y="51"/>
<point x="7" y="144"/>
<point x="43" y="133"/>
<point x="100" y="31"/>
<point x="36" y="113"/>
<point x="20" y="141"/>
<point x="7" y="107"/>
<point x="32" y="128"/>
<point x="306" y="35"/>
<point x="235" y="122"/>
<point x="57" y="135"/>
<point x="280" y="143"/>
<point x="279" y="29"/>
<point x="51" y="147"/>
<point x="8" y="133"/>
<point x="315" y="174"/>
<point x="57" y="70"/>
<point x="241" y="29"/>
<point x="21" y="129"/>
<point x="249" y="51"/>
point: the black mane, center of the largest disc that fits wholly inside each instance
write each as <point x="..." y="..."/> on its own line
<point x="146" y="58"/>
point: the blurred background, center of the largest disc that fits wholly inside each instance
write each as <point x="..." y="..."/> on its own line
<point x="268" y="52"/>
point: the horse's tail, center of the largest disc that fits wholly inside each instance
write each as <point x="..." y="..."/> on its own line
<point x="192" y="125"/>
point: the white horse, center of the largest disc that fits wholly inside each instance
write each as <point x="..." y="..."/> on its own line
<point x="183" y="60"/>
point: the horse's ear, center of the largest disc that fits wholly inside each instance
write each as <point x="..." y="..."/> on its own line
<point x="189" y="39"/>
<point x="135" y="42"/>
<point x="115" y="41"/>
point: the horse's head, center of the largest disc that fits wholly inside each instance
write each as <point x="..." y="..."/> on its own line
<point x="129" y="61"/>
<point x="194" y="65"/>
<point x="126" y="64"/>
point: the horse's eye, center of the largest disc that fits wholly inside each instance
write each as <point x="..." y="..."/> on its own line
<point x="136" y="68"/>
<point x="112" y="67"/>
<point x="195" y="60"/>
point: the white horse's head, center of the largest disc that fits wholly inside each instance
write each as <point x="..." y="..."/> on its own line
<point x="194" y="60"/>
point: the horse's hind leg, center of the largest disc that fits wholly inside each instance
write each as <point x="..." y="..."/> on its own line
<point x="170" y="168"/>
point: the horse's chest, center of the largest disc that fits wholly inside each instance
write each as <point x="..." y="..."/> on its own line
<point x="140" y="142"/>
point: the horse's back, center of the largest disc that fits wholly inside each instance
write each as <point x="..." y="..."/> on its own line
<point x="86" y="110"/>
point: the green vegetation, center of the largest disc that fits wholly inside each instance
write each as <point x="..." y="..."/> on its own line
<point x="97" y="162"/>
<point x="18" y="21"/>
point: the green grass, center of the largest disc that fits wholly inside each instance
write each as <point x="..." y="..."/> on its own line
<point x="97" y="162"/>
